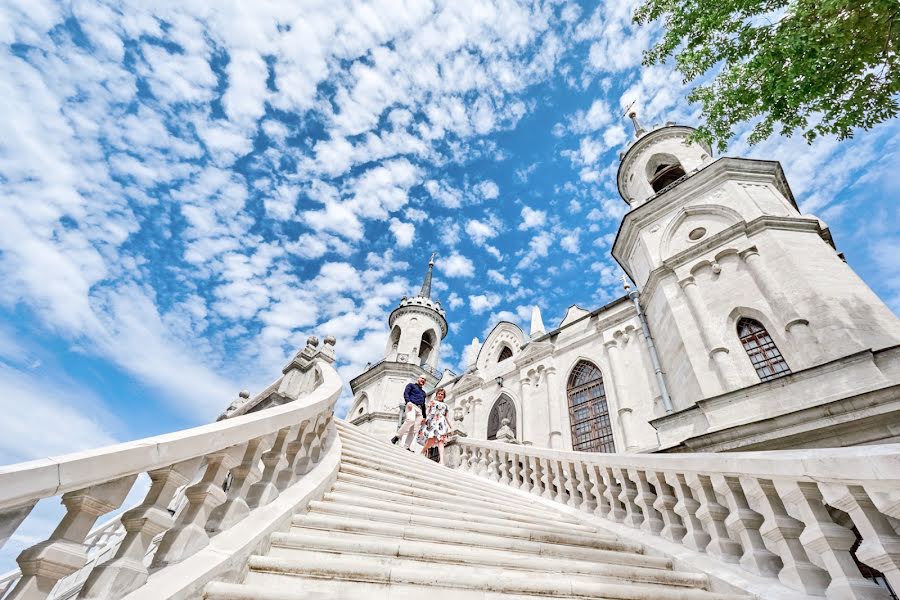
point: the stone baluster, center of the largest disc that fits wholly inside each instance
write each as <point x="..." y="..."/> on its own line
<point x="515" y="470"/>
<point x="585" y="488"/>
<point x="646" y="500"/>
<point x="264" y="491"/>
<point x="613" y="492"/>
<point x="63" y="553"/>
<point x="320" y="436"/>
<point x="831" y="542"/>
<point x="493" y="470"/>
<point x="527" y="473"/>
<point x="537" y="475"/>
<point x="713" y="515"/>
<point x="571" y="485"/>
<point x="686" y="508"/>
<point x="126" y="571"/>
<point x="11" y="518"/>
<point x="504" y="467"/>
<point x="744" y="523"/>
<point x="673" y="528"/>
<point x="235" y="507"/>
<point x="627" y="494"/>
<point x="880" y="547"/>
<point x="598" y="490"/>
<point x="783" y="532"/>
<point x="483" y="462"/>
<point x="295" y="451"/>
<point x="559" y="482"/>
<point x="464" y="454"/>
<point x="189" y="535"/>
<point x="546" y="479"/>
<point x="472" y="461"/>
<point x="307" y="454"/>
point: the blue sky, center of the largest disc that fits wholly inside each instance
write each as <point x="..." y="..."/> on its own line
<point x="188" y="192"/>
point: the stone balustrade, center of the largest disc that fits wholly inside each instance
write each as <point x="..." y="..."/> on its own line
<point x="222" y="473"/>
<point x="787" y="517"/>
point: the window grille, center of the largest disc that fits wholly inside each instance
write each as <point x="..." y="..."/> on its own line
<point x="763" y="353"/>
<point x="588" y="410"/>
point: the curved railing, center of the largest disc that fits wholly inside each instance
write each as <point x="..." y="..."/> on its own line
<point x="227" y="470"/>
<point x="770" y="513"/>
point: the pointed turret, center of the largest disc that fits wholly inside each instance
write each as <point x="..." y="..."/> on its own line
<point x="537" y="323"/>
<point x="638" y="128"/>
<point x="472" y="353"/>
<point x="425" y="292"/>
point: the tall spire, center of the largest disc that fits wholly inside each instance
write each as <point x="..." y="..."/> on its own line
<point x="425" y="292"/>
<point x="638" y="128"/>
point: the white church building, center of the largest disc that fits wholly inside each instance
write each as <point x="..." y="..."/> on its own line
<point x="749" y="332"/>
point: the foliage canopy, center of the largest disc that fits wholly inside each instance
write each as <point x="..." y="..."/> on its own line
<point x="815" y="66"/>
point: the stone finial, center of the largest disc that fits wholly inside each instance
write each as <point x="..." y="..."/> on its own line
<point x="505" y="433"/>
<point x="245" y="394"/>
<point x="330" y="340"/>
<point x="313" y="341"/>
<point x="537" y="323"/>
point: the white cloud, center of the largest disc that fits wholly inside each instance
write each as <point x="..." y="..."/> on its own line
<point x="592" y="119"/>
<point x="532" y="218"/>
<point x="404" y="233"/>
<point x="571" y="242"/>
<point x="487" y="189"/>
<point x="480" y="231"/>
<point x="446" y="195"/>
<point x="483" y="302"/>
<point x="454" y="300"/>
<point x="497" y="277"/>
<point x="457" y="265"/>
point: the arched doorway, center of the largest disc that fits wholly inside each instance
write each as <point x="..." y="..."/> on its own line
<point x="503" y="408"/>
<point x="588" y="411"/>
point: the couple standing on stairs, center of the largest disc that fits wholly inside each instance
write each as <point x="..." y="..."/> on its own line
<point x="426" y="420"/>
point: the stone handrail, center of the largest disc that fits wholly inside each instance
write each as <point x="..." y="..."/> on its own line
<point x="770" y="513"/>
<point x="264" y="452"/>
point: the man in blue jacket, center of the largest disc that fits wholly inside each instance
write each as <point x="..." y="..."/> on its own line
<point x="414" y="394"/>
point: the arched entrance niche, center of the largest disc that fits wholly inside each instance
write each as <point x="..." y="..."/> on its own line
<point x="504" y="408"/>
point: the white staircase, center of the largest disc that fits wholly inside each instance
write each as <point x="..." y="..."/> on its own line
<point x="395" y="525"/>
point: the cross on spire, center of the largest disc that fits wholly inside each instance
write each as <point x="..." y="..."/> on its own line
<point x="632" y="114"/>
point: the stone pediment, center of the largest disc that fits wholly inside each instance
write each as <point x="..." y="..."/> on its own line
<point x="532" y="352"/>
<point x="574" y="313"/>
<point x="469" y="381"/>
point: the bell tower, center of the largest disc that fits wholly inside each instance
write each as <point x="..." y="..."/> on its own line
<point x="738" y="286"/>
<point x="417" y="327"/>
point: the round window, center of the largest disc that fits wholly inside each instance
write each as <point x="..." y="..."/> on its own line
<point x="697" y="233"/>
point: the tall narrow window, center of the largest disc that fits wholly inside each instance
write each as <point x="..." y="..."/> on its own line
<point x="503" y="408"/>
<point x="504" y="354"/>
<point x="588" y="411"/>
<point x="763" y="353"/>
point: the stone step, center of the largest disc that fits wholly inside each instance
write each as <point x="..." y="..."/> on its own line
<point x="599" y="550"/>
<point x="359" y="491"/>
<point x="345" y="544"/>
<point x="477" y="490"/>
<point x="536" y="510"/>
<point x="387" y="516"/>
<point x="436" y="476"/>
<point x="324" y="589"/>
<point x="282" y="573"/>
<point x="452" y="511"/>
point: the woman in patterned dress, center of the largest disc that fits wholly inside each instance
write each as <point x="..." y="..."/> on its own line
<point x="436" y="425"/>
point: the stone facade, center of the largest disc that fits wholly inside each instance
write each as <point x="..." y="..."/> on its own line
<point x="715" y="247"/>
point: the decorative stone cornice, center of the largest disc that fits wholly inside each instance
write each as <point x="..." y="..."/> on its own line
<point x="734" y="232"/>
<point x="427" y="311"/>
<point x="533" y="352"/>
<point x="704" y="181"/>
<point x="468" y="382"/>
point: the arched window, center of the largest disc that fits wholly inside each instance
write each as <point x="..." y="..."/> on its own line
<point x="663" y="170"/>
<point x="394" y="340"/>
<point x="426" y="347"/>
<point x="504" y="354"/>
<point x="763" y="353"/>
<point x="503" y="408"/>
<point x="588" y="412"/>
